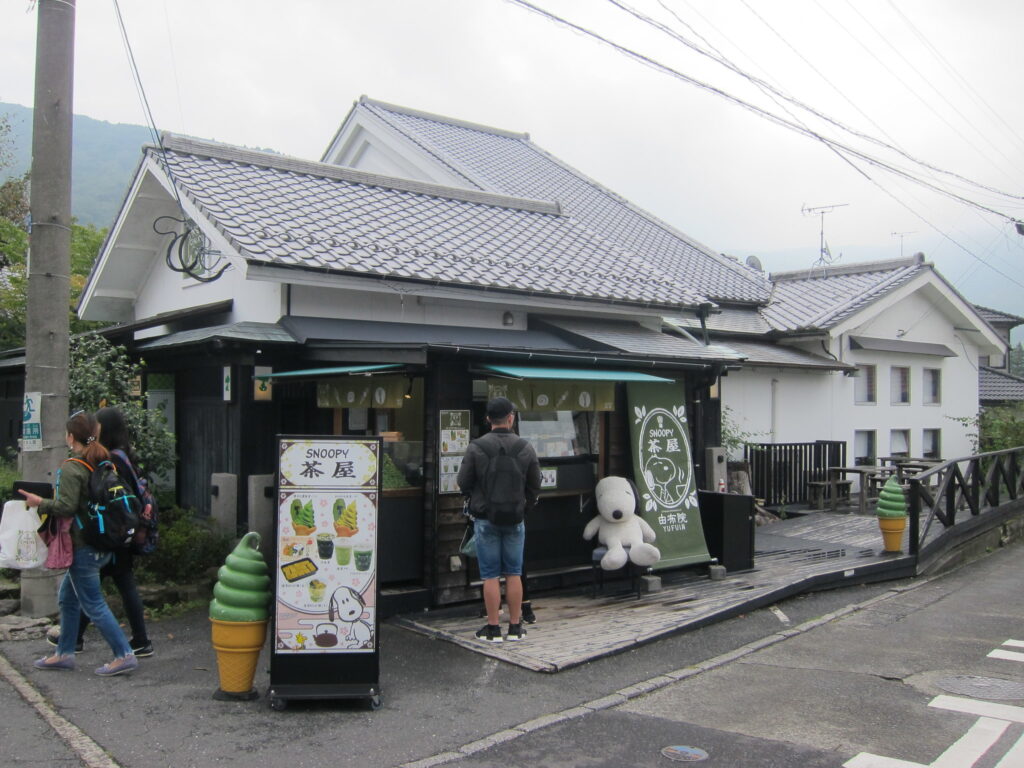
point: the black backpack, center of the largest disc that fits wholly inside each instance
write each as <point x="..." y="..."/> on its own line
<point x="504" y="483"/>
<point x="111" y="515"/>
<point x="147" y="534"/>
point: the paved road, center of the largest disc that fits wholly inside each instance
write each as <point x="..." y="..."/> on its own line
<point x="814" y="682"/>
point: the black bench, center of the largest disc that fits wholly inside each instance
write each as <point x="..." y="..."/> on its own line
<point x="819" y="491"/>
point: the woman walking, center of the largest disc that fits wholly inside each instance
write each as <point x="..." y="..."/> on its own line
<point x="80" y="588"/>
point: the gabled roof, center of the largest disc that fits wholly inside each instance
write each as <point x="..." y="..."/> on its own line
<point x="999" y="319"/>
<point x="995" y="386"/>
<point x="728" y="320"/>
<point x="292" y="213"/>
<point x="509" y="163"/>
<point x="822" y="297"/>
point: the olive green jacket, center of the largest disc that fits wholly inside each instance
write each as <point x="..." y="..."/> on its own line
<point x="70" y="497"/>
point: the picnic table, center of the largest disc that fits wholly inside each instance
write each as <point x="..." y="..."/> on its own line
<point x="868" y="473"/>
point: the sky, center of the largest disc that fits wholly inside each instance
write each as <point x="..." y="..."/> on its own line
<point x="853" y="90"/>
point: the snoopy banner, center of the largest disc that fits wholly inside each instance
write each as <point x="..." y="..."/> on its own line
<point x="325" y="608"/>
<point x="663" y="470"/>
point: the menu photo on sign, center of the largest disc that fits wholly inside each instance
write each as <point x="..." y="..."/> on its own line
<point x="327" y="546"/>
<point x="454" y="439"/>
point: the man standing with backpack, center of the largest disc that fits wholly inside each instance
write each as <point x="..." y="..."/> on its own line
<point x="501" y="475"/>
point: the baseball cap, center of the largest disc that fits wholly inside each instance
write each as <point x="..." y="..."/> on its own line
<point x="499" y="407"/>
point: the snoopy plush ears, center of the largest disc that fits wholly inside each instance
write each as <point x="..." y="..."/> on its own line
<point x="636" y="496"/>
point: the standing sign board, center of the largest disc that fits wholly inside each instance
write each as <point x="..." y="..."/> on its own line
<point x="325" y="623"/>
<point x="663" y="470"/>
<point x="454" y="437"/>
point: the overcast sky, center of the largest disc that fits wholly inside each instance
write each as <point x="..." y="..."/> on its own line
<point x="937" y="79"/>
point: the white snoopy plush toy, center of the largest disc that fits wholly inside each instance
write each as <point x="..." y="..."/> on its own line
<point x="617" y="525"/>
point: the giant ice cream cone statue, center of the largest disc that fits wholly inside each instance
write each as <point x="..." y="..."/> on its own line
<point x="238" y="613"/>
<point x="892" y="514"/>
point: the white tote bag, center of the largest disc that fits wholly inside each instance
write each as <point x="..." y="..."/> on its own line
<point x="21" y="546"/>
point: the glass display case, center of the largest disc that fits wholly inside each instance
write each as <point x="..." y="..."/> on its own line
<point x="402" y="464"/>
<point x="555" y="434"/>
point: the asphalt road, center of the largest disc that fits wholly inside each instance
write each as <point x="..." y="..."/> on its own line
<point x="811" y="682"/>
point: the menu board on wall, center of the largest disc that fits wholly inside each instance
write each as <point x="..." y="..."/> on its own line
<point x="454" y="440"/>
<point x="326" y="559"/>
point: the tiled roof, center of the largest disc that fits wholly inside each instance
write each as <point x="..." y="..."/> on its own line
<point x="820" y="298"/>
<point x="727" y="320"/>
<point x="996" y="386"/>
<point x="283" y="211"/>
<point x="636" y="339"/>
<point x="997" y="318"/>
<point x="510" y="163"/>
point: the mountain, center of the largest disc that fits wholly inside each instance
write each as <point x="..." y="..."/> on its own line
<point x="103" y="162"/>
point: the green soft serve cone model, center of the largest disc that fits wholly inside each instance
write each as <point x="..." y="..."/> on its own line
<point x="891" y="501"/>
<point x="242" y="591"/>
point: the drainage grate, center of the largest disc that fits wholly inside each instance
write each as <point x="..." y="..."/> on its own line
<point x="684" y="754"/>
<point x="982" y="687"/>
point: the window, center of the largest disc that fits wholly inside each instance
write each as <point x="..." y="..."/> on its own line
<point x="931" y="443"/>
<point x="983" y="360"/>
<point x="932" y="386"/>
<point x="561" y="433"/>
<point x="864" y="384"/>
<point x="899" y="382"/>
<point x="864" y="447"/>
<point x="899" y="442"/>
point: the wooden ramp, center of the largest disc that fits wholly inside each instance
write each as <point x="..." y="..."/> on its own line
<point x="816" y="551"/>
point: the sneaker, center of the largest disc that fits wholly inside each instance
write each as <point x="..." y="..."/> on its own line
<point x="529" y="617"/>
<point x="142" y="650"/>
<point x="515" y="633"/>
<point x="55" y="662"/>
<point x="53" y="637"/>
<point x="119" y="666"/>
<point x="489" y="633"/>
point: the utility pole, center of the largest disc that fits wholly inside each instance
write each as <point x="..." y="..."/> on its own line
<point x="49" y="284"/>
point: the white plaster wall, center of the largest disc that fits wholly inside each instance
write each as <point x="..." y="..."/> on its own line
<point x="395" y="307"/>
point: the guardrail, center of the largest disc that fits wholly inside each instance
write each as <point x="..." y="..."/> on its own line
<point x="970" y="485"/>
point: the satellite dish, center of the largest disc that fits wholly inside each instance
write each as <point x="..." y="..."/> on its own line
<point x="754" y="263"/>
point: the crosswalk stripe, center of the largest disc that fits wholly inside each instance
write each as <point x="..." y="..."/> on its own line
<point x="1014" y="758"/>
<point x="1015" y="643"/>
<point x="972" y="746"/>
<point x="979" y="708"/>
<point x="1008" y="655"/>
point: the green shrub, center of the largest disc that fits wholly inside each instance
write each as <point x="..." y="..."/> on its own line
<point x="189" y="546"/>
<point x="8" y="474"/>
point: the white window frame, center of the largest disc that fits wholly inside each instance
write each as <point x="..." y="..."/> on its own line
<point x="937" y="452"/>
<point x="899" y="436"/>
<point x="898" y="388"/>
<point x="872" y="444"/>
<point x="931" y="390"/>
<point x="865" y="385"/>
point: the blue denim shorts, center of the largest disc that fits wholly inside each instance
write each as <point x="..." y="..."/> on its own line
<point x="499" y="548"/>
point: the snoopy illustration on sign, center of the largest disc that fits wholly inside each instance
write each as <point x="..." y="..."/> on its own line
<point x="348" y="607"/>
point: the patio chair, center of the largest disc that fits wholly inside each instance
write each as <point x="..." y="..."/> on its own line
<point x="634" y="572"/>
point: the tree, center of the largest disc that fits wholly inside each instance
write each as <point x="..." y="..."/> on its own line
<point x="101" y="375"/>
<point x="1016" y="362"/>
<point x="996" y="427"/>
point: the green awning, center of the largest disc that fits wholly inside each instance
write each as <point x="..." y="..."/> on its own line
<point x="579" y="374"/>
<point x="344" y="370"/>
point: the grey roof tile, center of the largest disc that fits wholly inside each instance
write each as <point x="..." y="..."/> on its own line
<point x="995" y="386"/>
<point x="767" y="354"/>
<point x="244" y="331"/>
<point x="996" y="318"/>
<point x="820" y="298"/>
<point x="369" y="224"/>
<point x="747" y="321"/>
<point x="510" y="163"/>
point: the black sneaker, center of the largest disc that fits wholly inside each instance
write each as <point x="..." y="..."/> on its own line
<point x="54" y="637"/>
<point x="142" y="650"/>
<point x="515" y="633"/>
<point x="489" y="633"/>
<point x="529" y="617"/>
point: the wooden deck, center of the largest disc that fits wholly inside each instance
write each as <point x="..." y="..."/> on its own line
<point x="815" y="551"/>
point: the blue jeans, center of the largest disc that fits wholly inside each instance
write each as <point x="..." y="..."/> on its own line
<point x="80" y="591"/>
<point x="119" y="569"/>
<point x="499" y="548"/>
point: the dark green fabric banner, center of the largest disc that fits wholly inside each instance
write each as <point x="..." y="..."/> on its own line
<point x="663" y="472"/>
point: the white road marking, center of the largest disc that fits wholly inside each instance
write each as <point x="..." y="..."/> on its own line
<point x="1015" y="643"/>
<point x="1008" y="655"/>
<point x="965" y="752"/>
<point x="973" y="745"/>
<point x="1014" y="758"/>
<point x="779" y="614"/>
<point x="980" y="708"/>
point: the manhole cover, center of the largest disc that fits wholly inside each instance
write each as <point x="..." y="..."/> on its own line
<point x="684" y="754"/>
<point x="982" y="687"/>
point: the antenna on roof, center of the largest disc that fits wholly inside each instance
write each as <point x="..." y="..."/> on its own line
<point x="900" y="235"/>
<point x="824" y="255"/>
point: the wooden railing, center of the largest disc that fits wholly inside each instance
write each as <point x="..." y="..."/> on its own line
<point x="959" y="489"/>
<point x="779" y="472"/>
